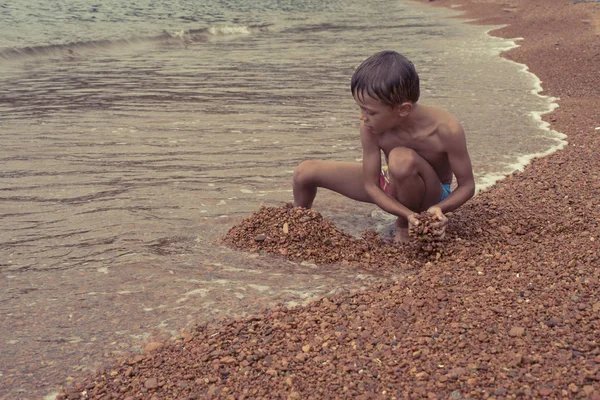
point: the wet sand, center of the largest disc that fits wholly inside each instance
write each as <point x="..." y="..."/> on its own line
<point x="510" y="309"/>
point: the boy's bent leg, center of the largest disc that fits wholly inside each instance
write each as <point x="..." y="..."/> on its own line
<point x="414" y="183"/>
<point x="344" y="178"/>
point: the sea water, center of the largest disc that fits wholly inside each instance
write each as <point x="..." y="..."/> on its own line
<point x="128" y="125"/>
<point x="134" y="134"/>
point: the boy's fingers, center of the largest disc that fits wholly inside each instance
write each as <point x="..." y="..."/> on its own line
<point x="441" y="224"/>
<point x="413" y="220"/>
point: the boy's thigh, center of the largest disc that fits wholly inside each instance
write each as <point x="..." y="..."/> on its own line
<point x="407" y="161"/>
<point x="345" y="178"/>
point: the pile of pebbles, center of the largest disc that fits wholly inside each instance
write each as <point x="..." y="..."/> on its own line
<point x="298" y="233"/>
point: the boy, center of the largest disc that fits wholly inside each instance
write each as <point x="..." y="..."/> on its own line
<point x="424" y="147"/>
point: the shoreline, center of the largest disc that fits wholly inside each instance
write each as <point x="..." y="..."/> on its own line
<point x="474" y="13"/>
<point x="513" y="311"/>
<point x="538" y="116"/>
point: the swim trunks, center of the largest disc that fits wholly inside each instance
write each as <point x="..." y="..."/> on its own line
<point x="445" y="190"/>
<point x="384" y="183"/>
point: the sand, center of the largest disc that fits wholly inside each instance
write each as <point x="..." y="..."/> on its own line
<point x="510" y="307"/>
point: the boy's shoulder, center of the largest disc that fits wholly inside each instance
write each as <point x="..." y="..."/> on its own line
<point x="446" y="123"/>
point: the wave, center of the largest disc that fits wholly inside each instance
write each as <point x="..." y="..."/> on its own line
<point x="185" y="37"/>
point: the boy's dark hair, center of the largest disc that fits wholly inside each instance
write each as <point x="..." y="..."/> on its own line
<point x="387" y="76"/>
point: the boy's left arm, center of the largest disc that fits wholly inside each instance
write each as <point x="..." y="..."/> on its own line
<point x="454" y="140"/>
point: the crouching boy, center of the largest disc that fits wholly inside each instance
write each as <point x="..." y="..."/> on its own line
<point x="424" y="147"/>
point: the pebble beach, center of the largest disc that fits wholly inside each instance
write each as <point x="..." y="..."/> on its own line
<point x="507" y="306"/>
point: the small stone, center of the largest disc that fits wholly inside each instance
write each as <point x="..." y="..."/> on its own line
<point x="294" y="396"/>
<point x="516" y="331"/>
<point x="552" y="322"/>
<point x="213" y="391"/>
<point x="306" y="348"/>
<point x="422" y="375"/>
<point x="228" y="360"/>
<point x="151" y="383"/>
<point x="545" y="391"/>
<point x="456" y="395"/>
<point x="505" y="229"/>
<point x="260" y="238"/>
<point x="457" y="372"/>
<point x="588" y="389"/>
<point x="152" y="346"/>
<point x="573" y="388"/>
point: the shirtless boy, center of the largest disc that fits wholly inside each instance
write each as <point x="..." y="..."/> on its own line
<point x="424" y="147"/>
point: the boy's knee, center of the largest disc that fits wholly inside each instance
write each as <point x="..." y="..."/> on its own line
<point x="402" y="162"/>
<point x="304" y="172"/>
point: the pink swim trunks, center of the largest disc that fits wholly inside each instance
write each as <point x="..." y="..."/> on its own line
<point x="384" y="180"/>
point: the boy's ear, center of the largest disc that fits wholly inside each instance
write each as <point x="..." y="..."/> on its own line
<point x="404" y="109"/>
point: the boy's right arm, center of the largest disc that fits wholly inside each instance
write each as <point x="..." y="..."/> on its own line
<point x="371" y="173"/>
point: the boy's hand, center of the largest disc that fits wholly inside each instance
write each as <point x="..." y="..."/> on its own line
<point x="413" y="220"/>
<point x="437" y="211"/>
<point x="443" y="220"/>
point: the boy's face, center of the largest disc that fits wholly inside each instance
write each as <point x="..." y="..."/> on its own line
<point x="376" y="115"/>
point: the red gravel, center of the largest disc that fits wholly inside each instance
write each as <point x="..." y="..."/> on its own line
<point x="510" y="307"/>
<point x="301" y="234"/>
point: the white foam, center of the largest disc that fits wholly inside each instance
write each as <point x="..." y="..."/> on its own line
<point x="199" y="292"/>
<point x="229" y="30"/>
<point x="259" y="288"/>
<point x="522" y="161"/>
